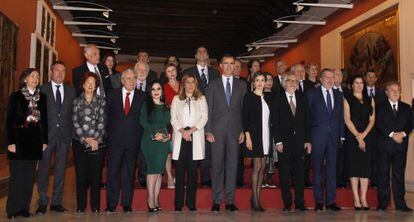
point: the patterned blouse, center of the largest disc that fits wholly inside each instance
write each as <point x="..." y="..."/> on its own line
<point x="89" y="119"/>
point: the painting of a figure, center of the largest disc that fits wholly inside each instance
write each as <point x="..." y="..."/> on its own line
<point x="373" y="46"/>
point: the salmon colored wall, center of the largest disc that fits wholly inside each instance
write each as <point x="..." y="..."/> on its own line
<point x="23" y="13"/>
<point x="308" y="48"/>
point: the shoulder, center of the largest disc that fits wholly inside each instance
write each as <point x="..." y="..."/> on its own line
<point x="190" y="70"/>
<point x="79" y="68"/>
<point x="404" y="105"/>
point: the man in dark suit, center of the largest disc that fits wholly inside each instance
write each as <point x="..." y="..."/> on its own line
<point x="240" y="166"/>
<point x="371" y="91"/>
<point x="205" y="74"/>
<point x="394" y="125"/>
<point x="341" y="179"/>
<point x="144" y="57"/>
<point x="124" y="134"/>
<point x="327" y="121"/>
<point x="59" y="117"/>
<point x="291" y="133"/>
<point x="225" y="132"/>
<point x="280" y="74"/>
<point x="91" y="53"/>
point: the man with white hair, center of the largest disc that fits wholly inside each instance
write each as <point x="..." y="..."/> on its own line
<point x="124" y="132"/>
<point x="91" y="53"/>
<point x="141" y="70"/>
<point x="144" y="57"/>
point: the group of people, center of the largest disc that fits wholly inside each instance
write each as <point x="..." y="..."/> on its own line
<point x="204" y="120"/>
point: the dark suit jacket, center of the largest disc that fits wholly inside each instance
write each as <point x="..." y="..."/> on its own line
<point x="277" y="86"/>
<point x="224" y="119"/>
<point x="379" y="97"/>
<point x="79" y="72"/>
<point x="28" y="140"/>
<point x="324" y="125"/>
<point x="292" y="131"/>
<point x="59" y="124"/>
<point x="252" y="117"/>
<point x="152" y="77"/>
<point x="124" y="131"/>
<point x="385" y="123"/>
<point x="212" y="74"/>
<point x="307" y="85"/>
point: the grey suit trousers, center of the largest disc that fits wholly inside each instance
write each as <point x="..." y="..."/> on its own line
<point x="224" y="161"/>
<point x="61" y="153"/>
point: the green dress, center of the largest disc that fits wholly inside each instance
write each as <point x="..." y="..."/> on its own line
<point x="155" y="152"/>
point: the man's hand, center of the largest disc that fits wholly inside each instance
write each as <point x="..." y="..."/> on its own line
<point x="12" y="148"/>
<point x="279" y="148"/>
<point x="308" y="147"/>
<point x="210" y="138"/>
<point x="241" y="138"/>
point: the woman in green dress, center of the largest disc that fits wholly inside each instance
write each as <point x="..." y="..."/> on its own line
<point x="155" y="143"/>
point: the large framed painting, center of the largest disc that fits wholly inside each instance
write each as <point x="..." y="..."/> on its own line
<point x="8" y="66"/>
<point x="373" y="45"/>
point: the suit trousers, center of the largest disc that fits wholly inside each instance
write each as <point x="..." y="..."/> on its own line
<point x="120" y="171"/>
<point x="391" y="162"/>
<point x="205" y="165"/>
<point x="22" y="176"/>
<point x="142" y="168"/>
<point x="88" y="170"/>
<point x="340" y="171"/>
<point x="61" y="153"/>
<point x="185" y="176"/>
<point x="307" y="167"/>
<point x="291" y="167"/>
<point x="326" y="151"/>
<point x="240" y="168"/>
<point x="224" y="159"/>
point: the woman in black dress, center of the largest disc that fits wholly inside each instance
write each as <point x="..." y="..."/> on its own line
<point x="26" y="139"/>
<point x="311" y="77"/>
<point x="359" y="114"/>
<point x="256" y="116"/>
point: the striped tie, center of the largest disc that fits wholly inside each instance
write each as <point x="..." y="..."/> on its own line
<point x="203" y="79"/>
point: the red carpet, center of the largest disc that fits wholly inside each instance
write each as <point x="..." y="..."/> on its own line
<point x="271" y="198"/>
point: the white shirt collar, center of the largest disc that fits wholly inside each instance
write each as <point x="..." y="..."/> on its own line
<point x="91" y="67"/>
<point x="199" y="67"/>
<point x="224" y="79"/>
<point x="392" y="104"/>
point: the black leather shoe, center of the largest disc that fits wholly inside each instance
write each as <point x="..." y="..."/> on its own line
<point x="404" y="209"/>
<point x="206" y="183"/>
<point x="96" y="211"/>
<point x="318" y="207"/>
<point x="11" y="216"/>
<point x="286" y="209"/>
<point x="192" y="209"/>
<point x="110" y="210"/>
<point x="58" y="208"/>
<point x="158" y="208"/>
<point x="127" y="209"/>
<point x="178" y="209"/>
<point x="240" y="184"/>
<point x="308" y="184"/>
<point x="381" y="208"/>
<point x="25" y="213"/>
<point x="231" y="207"/>
<point x="215" y="208"/>
<point x="333" y="207"/>
<point x="41" y="210"/>
<point x="301" y="208"/>
<point x="80" y="211"/>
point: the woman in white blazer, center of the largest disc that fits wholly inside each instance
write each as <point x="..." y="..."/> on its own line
<point x="189" y="114"/>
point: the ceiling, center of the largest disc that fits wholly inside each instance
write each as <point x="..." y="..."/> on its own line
<point x="177" y="27"/>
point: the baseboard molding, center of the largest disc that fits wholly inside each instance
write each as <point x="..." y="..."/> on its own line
<point x="409" y="186"/>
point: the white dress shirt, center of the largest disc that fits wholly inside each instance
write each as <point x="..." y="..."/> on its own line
<point x="131" y="96"/>
<point x="92" y="69"/>
<point x="265" y="126"/>
<point x="338" y="88"/>
<point x="54" y="88"/>
<point x="224" y="79"/>
<point x="144" y="85"/>
<point x="293" y="97"/>
<point x="325" y="96"/>
<point x="369" y="90"/>
<point x="396" y="108"/>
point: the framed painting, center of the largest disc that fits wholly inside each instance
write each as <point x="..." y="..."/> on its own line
<point x="8" y="64"/>
<point x="373" y="45"/>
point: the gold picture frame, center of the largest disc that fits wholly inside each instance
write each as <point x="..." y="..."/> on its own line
<point x="373" y="45"/>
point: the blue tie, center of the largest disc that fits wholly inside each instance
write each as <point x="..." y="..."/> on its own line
<point x="228" y="92"/>
<point x="58" y="99"/>
<point x="328" y="102"/>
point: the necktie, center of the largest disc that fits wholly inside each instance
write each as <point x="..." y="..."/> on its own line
<point x="292" y="105"/>
<point x="301" y="86"/>
<point x="140" y="87"/>
<point x="394" y="110"/>
<point x="371" y="92"/>
<point x="100" y="90"/>
<point x="58" y="98"/>
<point x="127" y="105"/>
<point x="329" y="102"/>
<point x="228" y="92"/>
<point x="203" y="79"/>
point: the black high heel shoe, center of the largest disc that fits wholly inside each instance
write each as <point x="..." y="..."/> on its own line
<point x="152" y="210"/>
<point x="158" y="208"/>
<point x="357" y="208"/>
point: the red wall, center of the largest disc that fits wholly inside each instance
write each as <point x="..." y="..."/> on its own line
<point x="23" y="13"/>
<point x="308" y="48"/>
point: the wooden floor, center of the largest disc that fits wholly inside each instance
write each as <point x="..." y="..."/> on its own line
<point x="205" y="215"/>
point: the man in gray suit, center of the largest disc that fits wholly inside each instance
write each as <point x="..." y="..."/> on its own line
<point x="59" y="116"/>
<point x="224" y="131"/>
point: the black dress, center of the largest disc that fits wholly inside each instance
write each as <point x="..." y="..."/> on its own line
<point x="358" y="162"/>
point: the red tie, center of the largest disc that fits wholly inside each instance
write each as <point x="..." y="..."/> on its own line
<point x="127" y="106"/>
